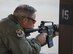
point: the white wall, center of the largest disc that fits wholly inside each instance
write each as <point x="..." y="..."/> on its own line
<point x="46" y="10"/>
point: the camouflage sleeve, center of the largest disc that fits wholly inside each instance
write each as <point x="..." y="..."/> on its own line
<point x="35" y="44"/>
<point x="1" y="47"/>
<point x="20" y="46"/>
<point x="13" y="45"/>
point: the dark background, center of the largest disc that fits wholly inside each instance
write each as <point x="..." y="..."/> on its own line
<point x="66" y="28"/>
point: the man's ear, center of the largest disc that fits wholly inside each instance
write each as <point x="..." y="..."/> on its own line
<point x="25" y="20"/>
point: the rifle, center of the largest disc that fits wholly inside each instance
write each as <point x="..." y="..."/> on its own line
<point x="50" y="29"/>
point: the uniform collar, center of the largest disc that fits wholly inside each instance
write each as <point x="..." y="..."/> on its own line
<point x="13" y="18"/>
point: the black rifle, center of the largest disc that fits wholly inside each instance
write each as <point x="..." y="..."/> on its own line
<point x="49" y="29"/>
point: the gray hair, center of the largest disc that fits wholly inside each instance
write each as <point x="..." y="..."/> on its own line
<point x="24" y="10"/>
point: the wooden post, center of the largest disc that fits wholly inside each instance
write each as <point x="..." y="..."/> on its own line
<point x="66" y="27"/>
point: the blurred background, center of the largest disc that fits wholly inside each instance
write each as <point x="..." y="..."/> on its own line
<point x="47" y="10"/>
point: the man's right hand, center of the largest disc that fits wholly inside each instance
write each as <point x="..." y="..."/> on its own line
<point x="41" y="38"/>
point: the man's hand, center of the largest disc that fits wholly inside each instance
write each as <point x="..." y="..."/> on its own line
<point x="41" y="38"/>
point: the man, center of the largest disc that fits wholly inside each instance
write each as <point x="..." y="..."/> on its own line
<point x="12" y="33"/>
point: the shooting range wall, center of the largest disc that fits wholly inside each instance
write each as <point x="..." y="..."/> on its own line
<point x="66" y="27"/>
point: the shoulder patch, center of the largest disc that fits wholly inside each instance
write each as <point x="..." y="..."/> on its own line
<point x="20" y="33"/>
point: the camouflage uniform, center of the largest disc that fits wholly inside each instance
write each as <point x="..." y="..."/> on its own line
<point x="12" y="38"/>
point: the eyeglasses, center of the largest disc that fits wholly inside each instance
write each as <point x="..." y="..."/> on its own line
<point x="30" y="18"/>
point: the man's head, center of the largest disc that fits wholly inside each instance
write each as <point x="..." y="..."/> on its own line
<point x="25" y="15"/>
